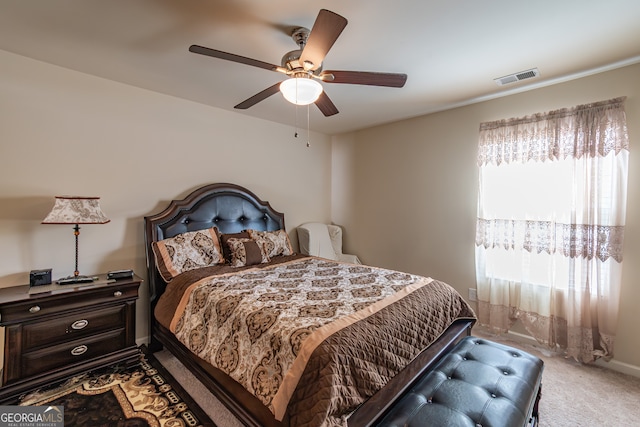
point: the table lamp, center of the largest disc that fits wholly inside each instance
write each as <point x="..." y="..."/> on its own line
<point x="76" y="210"/>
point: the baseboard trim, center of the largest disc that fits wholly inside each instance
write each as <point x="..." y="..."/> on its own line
<point x="613" y="364"/>
<point x="622" y="367"/>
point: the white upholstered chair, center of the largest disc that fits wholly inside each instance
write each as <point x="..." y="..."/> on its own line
<point x="323" y="240"/>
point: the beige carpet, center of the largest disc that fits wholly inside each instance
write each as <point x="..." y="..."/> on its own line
<point x="573" y="395"/>
<point x="218" y="413"/>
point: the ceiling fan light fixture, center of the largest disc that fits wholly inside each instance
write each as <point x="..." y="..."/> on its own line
<point x="301" y="90"/>
<point x="304" y="64"/>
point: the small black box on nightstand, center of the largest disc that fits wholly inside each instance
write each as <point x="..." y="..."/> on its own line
<point x="120" y="274"/>
<point x="40" y="277"/>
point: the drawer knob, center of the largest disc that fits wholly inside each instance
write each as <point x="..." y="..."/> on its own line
<point x="34" y="309"/>
<point x="77" y="351"/>
<point x="79" y="324"/>
<point x="117" y="294"/>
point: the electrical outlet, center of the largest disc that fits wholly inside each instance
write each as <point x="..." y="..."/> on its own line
<point x="473" y="294"/>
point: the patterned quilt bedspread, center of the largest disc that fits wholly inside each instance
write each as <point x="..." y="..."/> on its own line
<point x="310" y="337"/>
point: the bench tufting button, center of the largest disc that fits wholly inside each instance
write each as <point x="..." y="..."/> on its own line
<point x="506" y="373"/>
<point x="515" y="355"/>
<point x="493" y="395"/>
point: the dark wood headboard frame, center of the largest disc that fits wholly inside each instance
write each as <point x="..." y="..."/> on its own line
<point x="229" y="207"/>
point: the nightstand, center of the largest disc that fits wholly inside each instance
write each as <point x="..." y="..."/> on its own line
<point x="51" y="336"/>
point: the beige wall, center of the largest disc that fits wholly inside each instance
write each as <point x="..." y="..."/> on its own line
<point x="63" y="132"/>
<point x="406" y="192"/>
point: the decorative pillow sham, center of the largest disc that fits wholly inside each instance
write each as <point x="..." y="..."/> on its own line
<point x="187" y="251"/>
<point x="278" y="242"/>
<point x="224" y="238"/>
<point x="247" y="252"/>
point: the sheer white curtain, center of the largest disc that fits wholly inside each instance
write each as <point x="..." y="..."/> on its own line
<point x="551" y="215"/>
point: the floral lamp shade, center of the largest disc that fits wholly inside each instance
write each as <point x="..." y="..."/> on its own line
<point x="76" y="210"/>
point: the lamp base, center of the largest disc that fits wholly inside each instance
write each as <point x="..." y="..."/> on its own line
<point x="74" y="280"/>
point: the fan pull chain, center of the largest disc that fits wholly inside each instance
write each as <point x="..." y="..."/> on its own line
<point x="295" y="135"/>
<point x="308" y="132"/>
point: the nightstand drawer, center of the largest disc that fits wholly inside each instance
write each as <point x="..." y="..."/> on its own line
<point x="35" y="307"/>
<point x="73" y="352"/>
<point x="73" y="326"/>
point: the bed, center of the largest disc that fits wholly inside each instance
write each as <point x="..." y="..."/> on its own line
<point x="290" y="343"/>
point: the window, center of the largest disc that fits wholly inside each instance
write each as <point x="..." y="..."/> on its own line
<point x="551" y="214"/>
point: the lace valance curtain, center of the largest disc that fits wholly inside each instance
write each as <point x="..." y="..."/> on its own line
<point x="550" y="227"/>
<point x="592" y="129"/>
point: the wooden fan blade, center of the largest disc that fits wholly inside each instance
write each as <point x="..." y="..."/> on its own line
<point x="324" y="34"/>
<point x="232" y="57"/>
<point x="260" y="96"/>
<point x="364" y="78"/>
<point x="325" y="105"/>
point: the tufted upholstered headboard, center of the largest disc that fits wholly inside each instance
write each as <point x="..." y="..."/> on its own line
<point x="229" y="207"/>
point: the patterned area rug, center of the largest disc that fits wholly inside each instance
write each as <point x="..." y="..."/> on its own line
<point x="141" y="395"/>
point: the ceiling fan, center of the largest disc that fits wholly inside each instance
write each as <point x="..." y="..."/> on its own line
<point x="303" y="67"/>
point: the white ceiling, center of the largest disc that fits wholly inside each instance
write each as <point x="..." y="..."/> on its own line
<point x="450" y="49"/>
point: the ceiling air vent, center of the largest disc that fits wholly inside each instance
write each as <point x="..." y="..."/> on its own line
<point x="516" y="77"/>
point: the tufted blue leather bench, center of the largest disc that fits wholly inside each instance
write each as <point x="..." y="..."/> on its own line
<point x="479" y="383"/>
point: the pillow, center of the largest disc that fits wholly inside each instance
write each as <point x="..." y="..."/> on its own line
<point x="187" y="251"/>
<point x="224" y="238"/>
<point x="277" y="241"/>
<point x="247" y="252"/>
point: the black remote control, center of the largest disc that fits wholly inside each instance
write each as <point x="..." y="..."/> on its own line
<point x="75" y="280"/>
<point x="120" y="274"/>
